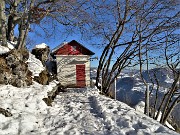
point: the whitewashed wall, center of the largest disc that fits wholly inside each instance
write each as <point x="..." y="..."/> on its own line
<point x="66" y="68"/>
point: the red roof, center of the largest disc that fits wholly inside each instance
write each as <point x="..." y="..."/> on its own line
<point x="71" y="48"/>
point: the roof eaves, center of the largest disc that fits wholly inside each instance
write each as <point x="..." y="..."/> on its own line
<point x="59" y="46"/>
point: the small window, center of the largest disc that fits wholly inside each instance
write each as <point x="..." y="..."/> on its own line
<point x="73" y="48"/>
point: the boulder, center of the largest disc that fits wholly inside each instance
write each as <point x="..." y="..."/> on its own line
<point x="14" y="69"/>
<point x="23" y="54"/>
<point x="4" y="71"/>
<point x="41" y="53"/>
<point x="4" y="112"/>
<point x="43" y="78"/>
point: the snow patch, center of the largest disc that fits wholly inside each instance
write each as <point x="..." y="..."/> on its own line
<point x="169" y="80"/>
<point x="42" y="45"/>
<point x="35" y="65"/>
<point x="11" y="44"/>
<point x="6" y="49"/>
<point x="140" y="107"/>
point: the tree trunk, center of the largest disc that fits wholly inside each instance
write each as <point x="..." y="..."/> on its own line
<point x="24" y="26"/>
<point x="10" y="30"/>
<point x="161" y="105"/>
<point x="156" y="96"/>
<point x="146" y="108"/>
<point x="167" y="107"/>
<point x="170" y="110"/>
<point x="3" y="23"/>
<point x="21" y="35"/>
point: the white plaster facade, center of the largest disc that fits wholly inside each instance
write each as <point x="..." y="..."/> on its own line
<point x="66" y="69"/>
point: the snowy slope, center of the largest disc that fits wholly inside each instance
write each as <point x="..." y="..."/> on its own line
<point x="27" y="107"/>
<point x="131" y="91"/>
<point x="35" y="65"/>
<point x="76" y="112"/>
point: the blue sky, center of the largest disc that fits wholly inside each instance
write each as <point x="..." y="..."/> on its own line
<point x="58" y="33"/>
<point x="57" y="39"/>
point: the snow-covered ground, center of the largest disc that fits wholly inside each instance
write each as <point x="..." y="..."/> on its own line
<point x="76" y="112"/>
<point x="131" y="90"/>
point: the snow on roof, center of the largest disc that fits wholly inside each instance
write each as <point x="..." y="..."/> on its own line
<point x="42" y="45"/>
<point x="5" y="49"/>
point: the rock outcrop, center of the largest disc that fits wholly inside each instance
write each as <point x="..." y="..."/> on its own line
<point x="41" y="54"/>
<point x="43" y="78"/>
<point x="14" y="69"/>
<point x="16" y="66"/>
<point x="4" y="112"/>
<point x="52" y="94"/>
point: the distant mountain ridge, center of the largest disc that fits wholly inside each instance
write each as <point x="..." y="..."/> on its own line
<point x="164" y="76"/>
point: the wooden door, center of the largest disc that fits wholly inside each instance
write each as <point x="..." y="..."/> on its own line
<point x="80" y="76"/>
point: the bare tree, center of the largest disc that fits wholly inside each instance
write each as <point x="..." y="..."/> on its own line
<point x="172" y="97"/>
<point x="136" y="25"/>
<point x="157" y="38"/>
<point x="3" y="23"/>
<point x="28" y="13"/>
<point x="166" y="103"/>
<point x="124" y="59"/>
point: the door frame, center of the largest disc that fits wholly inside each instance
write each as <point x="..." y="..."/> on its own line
<point x="80" y="75"/>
